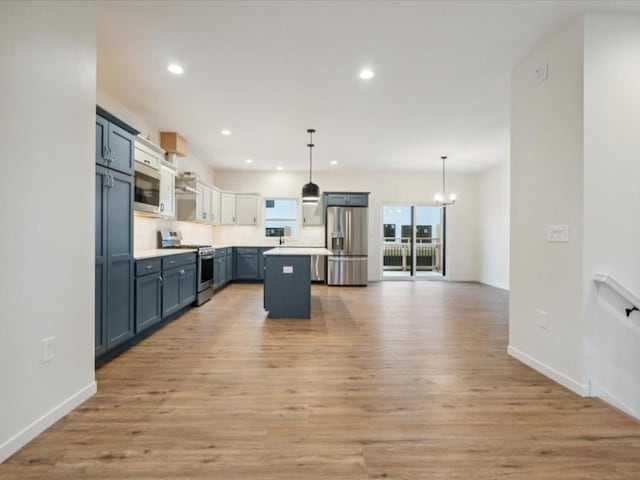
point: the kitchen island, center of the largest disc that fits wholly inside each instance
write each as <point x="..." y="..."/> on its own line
<point x="287" y="281"/>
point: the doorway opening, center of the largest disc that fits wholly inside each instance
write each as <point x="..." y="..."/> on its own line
<point x="413" y="243"/>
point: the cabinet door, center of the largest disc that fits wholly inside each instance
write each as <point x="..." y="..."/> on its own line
<point x="148" y="301"/>
<point x="312" y="214"/>
<point x="223" y="270"/>
<point x="199" y="203"/>
<point x="119" y="235"/>
<point x="229" y="275"/>
<point x="247" y="209"/>
<point x="101" y="261"/>
<point x="206" y="204"/>
<point x="187" y="285"/>
<point x="227" y="208"/>
<point x="102" y="140"/>
<point x="170" y="291"/>
<point x="247" y="266"/>
<point x="336" y="199"/>
<point x="215" y="207"/>
<point x="121" y="146"/>
<point x="261" y="262"/>
<point x="167" y="192"/>
<point x="357" y="200"/>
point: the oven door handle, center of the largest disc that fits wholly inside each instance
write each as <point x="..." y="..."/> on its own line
<point x="206" y="257"/>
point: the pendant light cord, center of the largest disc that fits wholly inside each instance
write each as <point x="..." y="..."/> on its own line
<point x="310" y="145"/>
<point x="443" y="159"/>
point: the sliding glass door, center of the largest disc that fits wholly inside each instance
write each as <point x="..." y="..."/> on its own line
<point x="413" y="241"/>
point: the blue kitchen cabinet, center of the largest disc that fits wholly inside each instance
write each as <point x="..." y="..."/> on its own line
<point x="114" y="259"/>
<point x="229" y="275"/>
<point x="178" y="283"/>
<point x="340" y="199"/>
<point x="114" y="143"/>
<point x="114" y="265"/>
<point x="148" y="309"/>
<point x="261" y="261"/>
<point x="246" y="263"/>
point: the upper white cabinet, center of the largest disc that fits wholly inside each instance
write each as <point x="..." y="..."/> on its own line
<point x="227" y="208"/>
<point x="247" y="209"/>
<point x="167" y="192"/>
<point x="312" y="214"/>
<point x="147" y="153"/>
<point x="215" y="207"/>
<point x="206" y="204"/>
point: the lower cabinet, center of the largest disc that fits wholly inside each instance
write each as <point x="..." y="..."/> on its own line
<point x="246" y="260"/>
<point x="148" y="301"/>
<point x="178" y="288"/>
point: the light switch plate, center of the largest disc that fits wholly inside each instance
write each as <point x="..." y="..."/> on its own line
<point x="287" y="269"/>
<point x="557" y="233"/>
<point x="48" y="349"/>
<point x="542" y="73"/>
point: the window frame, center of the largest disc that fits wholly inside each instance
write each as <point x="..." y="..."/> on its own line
<point x="282" y="219"/>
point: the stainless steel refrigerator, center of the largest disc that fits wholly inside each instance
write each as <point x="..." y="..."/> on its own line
<point x="347" y="238"/>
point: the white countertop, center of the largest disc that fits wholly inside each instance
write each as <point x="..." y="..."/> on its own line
<point x="161" y="252"/>
<point x="298" y="251"/>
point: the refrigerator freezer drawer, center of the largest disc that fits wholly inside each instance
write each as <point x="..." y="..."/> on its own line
<point x="347" y="271"/>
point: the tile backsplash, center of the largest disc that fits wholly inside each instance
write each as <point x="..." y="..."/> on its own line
<point x="145" y="234"/>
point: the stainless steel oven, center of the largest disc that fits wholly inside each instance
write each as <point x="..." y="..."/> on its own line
<point x="147" y="189"/>
<point x="205" y="262"/>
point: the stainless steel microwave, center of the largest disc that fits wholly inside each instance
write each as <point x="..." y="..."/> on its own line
<point x="147" y="189"/>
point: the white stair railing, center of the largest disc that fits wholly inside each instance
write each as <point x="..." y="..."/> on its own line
<point x="614" y="285"/>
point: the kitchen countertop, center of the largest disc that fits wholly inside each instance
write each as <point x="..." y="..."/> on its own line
<point x="298" y="251"/>
<point x="161" y="252"/>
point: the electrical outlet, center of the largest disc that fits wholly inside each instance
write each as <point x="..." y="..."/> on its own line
<point x="48" y="349"/>
<point x="543" y="320"/>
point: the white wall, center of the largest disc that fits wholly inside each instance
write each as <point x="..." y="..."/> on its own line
<point x="612" y="204"/>
<point x="47" y="116"/>
<point x="546" y="189"/>
<point x="384" y="187"/>
<point x="493" y="226"/>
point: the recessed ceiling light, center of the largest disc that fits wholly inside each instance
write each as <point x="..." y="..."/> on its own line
<point x="175" y="69"/>
<point x="367" y="74"/>
<point x="248" y="160"/>
<point x="333" y="162"/>
<point x="226" y="132"/>
<point x="280" y="167"/>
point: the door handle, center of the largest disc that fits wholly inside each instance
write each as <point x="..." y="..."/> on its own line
<point x="181" y="272"/>
<point x="105" y="152"/>
<point x="160" y="280"/>
<point x="162" y="207"/>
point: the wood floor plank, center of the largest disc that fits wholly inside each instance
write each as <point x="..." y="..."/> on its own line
<point x="395" y="380"/>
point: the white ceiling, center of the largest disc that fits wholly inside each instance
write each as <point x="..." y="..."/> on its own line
<point x="268" y="70"/>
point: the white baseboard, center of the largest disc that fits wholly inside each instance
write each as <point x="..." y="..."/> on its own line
<point x="598" y="391"/>
<point x="491" y="283"/>
<point x="567" y="382"/>
<point x="30" y="432"/>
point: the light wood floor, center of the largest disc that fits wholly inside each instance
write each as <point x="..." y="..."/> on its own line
<point x="396" y="381"/>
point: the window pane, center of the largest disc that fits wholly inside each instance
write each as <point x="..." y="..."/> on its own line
<point x="281" y="208"/>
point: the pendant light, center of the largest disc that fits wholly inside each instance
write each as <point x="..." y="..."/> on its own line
<point x="310" y="191"/>
<point x="441" y="197"/>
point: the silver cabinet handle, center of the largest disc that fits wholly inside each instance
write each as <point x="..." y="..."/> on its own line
<point x="110" y="155"/>
<point x="149" y="267"/>
<point x="160" y="280"/>
<point x="254" y="219"/>
<point x="105" y="152"/>
<point x="162" y="207"/>
<point x="106" y="181"/>
<point x="147" y="162"/>
<point x="181" y="272"/>
<point x="171" y="262"/>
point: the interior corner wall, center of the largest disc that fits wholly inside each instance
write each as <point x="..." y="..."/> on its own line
<point x="612" y="204"/>
<point x="47" y="117"/>
<point x="493" y="226"/>
<point x="547" y="189"/>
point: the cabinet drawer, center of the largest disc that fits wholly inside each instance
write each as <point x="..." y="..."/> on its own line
<point x="173" y="261"/>
<point x="247" y="250"/>
<point x="151" y="265"/>
<point x="336" y="199"/>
